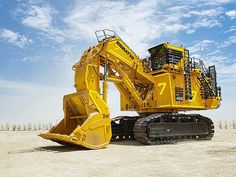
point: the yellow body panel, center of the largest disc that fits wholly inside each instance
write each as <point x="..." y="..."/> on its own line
<point x="86" y="119"/>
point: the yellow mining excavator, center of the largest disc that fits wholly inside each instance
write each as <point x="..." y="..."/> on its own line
<point x="157" y="87"/>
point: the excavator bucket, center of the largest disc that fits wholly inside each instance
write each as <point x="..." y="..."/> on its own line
<point x="86" y="121"/>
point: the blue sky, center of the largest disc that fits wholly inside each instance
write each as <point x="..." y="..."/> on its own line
<point x="41" y="40"/>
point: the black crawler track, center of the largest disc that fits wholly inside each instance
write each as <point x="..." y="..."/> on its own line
<point x="164" y="128"/>
<point x="122" y="127"/>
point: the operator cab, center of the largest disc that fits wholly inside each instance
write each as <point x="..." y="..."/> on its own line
<point x="163" y="54"/>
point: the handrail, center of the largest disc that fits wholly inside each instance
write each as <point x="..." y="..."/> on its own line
<point x="106" y="33"/>
<point x="198" y="63"/>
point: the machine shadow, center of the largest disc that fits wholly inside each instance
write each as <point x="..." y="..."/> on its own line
<point x="56" y="149"/>
<point x="60" y="148"/>
<point x="126" y="143"/>
<point x="136" y="143"/>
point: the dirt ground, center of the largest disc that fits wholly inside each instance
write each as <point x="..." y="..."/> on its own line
<point x="24" y="154"/>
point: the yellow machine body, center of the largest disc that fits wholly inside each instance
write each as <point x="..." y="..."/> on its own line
<point x="86" y="119"/>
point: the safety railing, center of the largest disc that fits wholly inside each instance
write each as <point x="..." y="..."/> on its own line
<point x="104" y="34"/>
<point x="198" y="63"/>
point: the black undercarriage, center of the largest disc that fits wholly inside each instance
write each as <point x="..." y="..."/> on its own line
<point x="162" y="128"/>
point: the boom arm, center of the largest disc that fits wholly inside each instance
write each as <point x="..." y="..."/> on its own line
<point x="121" y="66"/>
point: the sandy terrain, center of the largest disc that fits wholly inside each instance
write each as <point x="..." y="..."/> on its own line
<point x="23" y="154"/>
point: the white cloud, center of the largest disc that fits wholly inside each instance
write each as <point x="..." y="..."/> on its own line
<point x="133" y="22"/>
<point x="232" y="29"/>
<point x="138" y="23"/>
<point x="207" y="12"/>
<point x="203" y="22"/>
<point x="231" y="40"/>
<point x="231" y="14"/>
<point x="40" y="17"/>
<point x="31" y="59"/>
<point x="212" y="54"/>
<point x="221" y="1"/>
<point x="201" y="46"/>
<point x="212" y="48"/>
<point x="14" y="38"/>
<point x="206" y="18"/>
